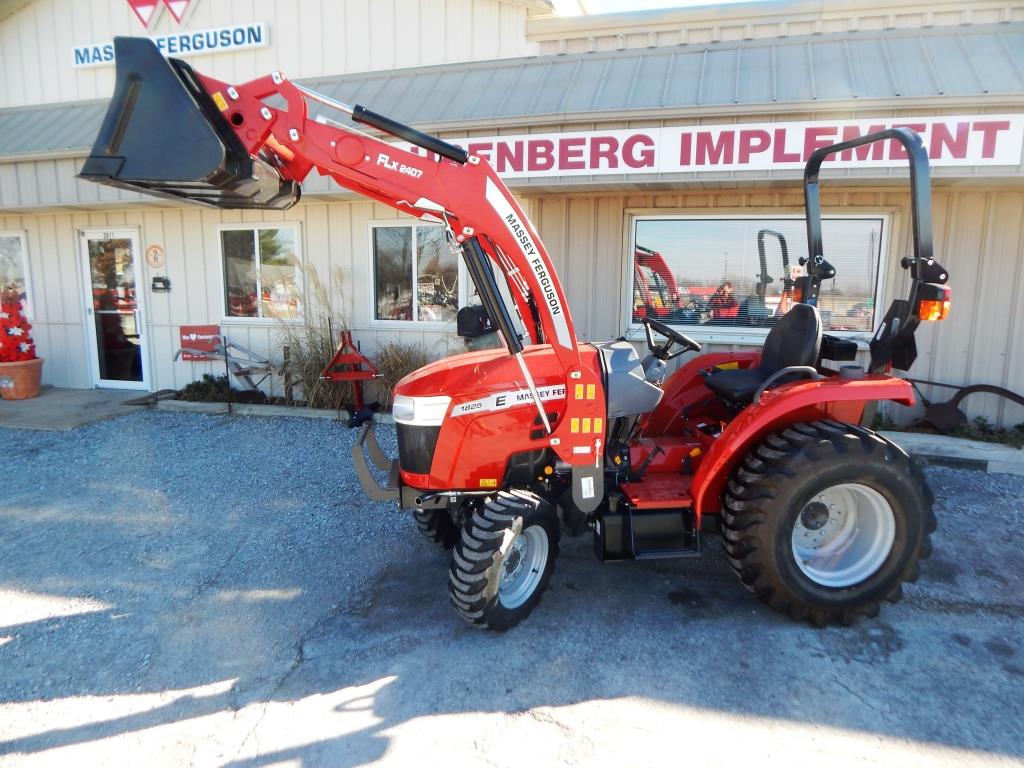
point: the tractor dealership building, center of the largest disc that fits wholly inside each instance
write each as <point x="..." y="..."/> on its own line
<point x="680" y="133"/>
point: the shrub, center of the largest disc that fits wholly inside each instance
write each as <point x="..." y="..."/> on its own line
<point x="395" y="361"/>
<point x="312" y="342"/>
<point x="209" y="389"/>
<point x="984" y="430"/>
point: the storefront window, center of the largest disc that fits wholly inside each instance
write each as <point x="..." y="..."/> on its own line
<point x="262" y="273"/>
<point x="14" y="266"/>
<point x="711" y="272"/>
<point x="413" y="267"/>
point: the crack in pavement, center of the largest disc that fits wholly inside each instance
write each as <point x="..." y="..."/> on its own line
<point x="357" y="606"/>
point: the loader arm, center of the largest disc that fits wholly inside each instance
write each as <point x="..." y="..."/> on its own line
<point x="251" y="125"/>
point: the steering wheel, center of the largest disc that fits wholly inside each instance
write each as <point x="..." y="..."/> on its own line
<point x="673" y="337"/>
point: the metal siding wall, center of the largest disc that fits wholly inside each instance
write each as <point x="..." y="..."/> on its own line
<point x="979" y="239"/>
<point x="685" y="26"/>
<point x="307" y="38"/>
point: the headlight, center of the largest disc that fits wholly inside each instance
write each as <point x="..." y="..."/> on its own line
<point x="420" y="411"/>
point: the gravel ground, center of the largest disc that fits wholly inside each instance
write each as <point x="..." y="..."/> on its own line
<point x="184" y="589"/>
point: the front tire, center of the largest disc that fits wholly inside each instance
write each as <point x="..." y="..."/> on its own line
<point x="504" y="559"/>
<point x="822" y="521"/>
<point x="436" y="526"/>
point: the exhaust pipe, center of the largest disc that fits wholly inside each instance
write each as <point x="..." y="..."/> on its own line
<point x="163" y="135"/>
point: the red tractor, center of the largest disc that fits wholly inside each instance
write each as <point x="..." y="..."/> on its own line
<point x="502" y="451"/>
<point x="655" y="291"/>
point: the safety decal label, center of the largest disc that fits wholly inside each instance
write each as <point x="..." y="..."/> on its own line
<point x="503" y="400"/>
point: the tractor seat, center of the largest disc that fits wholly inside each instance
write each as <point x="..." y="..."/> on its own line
<point x="794" y="340"/>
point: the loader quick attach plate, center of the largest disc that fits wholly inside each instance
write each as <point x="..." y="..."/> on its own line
<point x="163" y="135"/>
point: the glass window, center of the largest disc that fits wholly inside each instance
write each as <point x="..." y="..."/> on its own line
<point x="261" y="272"/>
<point x="392" y="272"/>
<point x="14" y="267"/>
<point x="738" y="272"/>
<point x="437" y="275"/>
<point x="413" y="267"/>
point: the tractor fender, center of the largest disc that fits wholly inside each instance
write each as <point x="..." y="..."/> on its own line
<point x="834" y="398"/>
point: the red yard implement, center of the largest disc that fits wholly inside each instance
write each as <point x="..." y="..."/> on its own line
<point x="502" y="451"/>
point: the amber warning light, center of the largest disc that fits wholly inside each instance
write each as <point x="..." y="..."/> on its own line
<point x="933" y="302"/>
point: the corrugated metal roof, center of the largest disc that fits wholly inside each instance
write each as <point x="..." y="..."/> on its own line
<point x="815" y="71"/>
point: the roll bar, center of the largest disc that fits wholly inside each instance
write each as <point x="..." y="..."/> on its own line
<point x="764" y="279"/>
<point x="893" y="342"/>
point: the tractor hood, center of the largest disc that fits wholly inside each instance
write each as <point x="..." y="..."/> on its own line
<point x="476" y="402"/>
<point x="487" y="374"/>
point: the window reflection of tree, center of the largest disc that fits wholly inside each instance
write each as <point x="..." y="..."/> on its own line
<point x="393" y="272"/>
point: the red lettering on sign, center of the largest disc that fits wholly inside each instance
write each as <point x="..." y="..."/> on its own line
<point x="896" y="150"/>
<point x="636" y="156"/>
<point x="604" y="148"/>
<point x="710" y="152"/>
<point x="484" y="150"/>
<point x="816" y="138"/>
<point x="752" y="143"/>
<point x="684" y="148"/>
<point x="942" y="139"/>
<point x="851" y="132"/>
<point x="779" y="153"/>
<point x="989" y="129"/>
<point x="510" y="157"/>
<point x="542" y="155"/>
<point x="570" y="154"/>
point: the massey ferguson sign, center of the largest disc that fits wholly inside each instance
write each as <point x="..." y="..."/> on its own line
<point x="183" y="42"/>
<point x="979" y="140"/>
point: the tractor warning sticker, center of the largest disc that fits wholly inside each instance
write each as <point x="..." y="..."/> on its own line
<point x="503" y="400"/>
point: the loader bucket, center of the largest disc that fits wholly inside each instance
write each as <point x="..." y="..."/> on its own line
<point x="163" y="135"/>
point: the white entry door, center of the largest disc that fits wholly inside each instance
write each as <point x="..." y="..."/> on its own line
<point x="114" y="308"/>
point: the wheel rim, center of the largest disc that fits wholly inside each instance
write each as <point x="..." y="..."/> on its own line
<point x="523" y="566"/>
<point x="843" y="535"/>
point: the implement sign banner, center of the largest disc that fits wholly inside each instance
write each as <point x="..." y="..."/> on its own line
<point x="968" y="141"/>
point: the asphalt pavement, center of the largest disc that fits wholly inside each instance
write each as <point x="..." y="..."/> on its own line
<point x="180" y="589"/>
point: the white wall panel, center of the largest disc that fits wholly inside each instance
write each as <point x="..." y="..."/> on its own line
<point x="307" y="38"/>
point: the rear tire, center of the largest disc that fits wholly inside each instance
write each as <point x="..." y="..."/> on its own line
<point x="822" y="521"/>
<point x="503" y="560"/>
<point x="436" y="526"/>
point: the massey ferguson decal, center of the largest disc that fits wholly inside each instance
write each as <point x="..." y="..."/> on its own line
<point x="511" y="399"/>
<point x="952" y="141"/>
<point x="522" y="235"/>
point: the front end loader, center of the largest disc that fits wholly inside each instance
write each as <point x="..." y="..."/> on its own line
<point x="503" y="451"/>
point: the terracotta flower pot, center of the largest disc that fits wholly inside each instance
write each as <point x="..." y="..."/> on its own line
<point x="20" y="380"/>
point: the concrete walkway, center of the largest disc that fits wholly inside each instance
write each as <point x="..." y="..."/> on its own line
<point x="63" y="409"/>
<point x="958" y="452"/>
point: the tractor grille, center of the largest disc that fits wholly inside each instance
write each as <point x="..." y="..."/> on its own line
<point x="416" y="447"/>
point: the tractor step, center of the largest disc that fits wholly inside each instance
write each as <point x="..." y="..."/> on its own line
<point x="658" y="490"/>
<point x="650" y="520"/>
